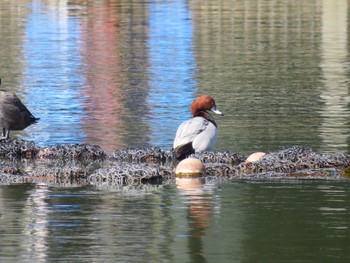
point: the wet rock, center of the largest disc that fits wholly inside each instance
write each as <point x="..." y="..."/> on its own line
<point x="65" y="175"/>
<point x="220" y="157"/>
<point x="10" y="173"/>
<point x="293" y="159"/>
<point x="10" y="178"/>
<point x="71" y="173"/>
<point x="308" y="174"/>
<point x="130" y="190"/>
<point x="129" y="174"/>
<point x="17" y="148"/>
<point x="144" y="155"/>
<point x="10" y="170"/>
<point x="8" y="166"/>
<point x="82" y="164"/>
<point x="219" y="170"/>
<point x="220" y="165"/>
<point x="80" y="152"/>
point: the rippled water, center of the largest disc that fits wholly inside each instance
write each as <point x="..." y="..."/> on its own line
<point x="123" y="73"/>
<point x="235" y="222"/>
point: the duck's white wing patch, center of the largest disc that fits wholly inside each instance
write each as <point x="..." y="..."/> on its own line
<point x="205" y="140"/>
<point x="188" y="130"/>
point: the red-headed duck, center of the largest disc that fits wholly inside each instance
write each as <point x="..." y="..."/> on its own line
<point x="13" y="114"/>
<point x="198" y="134"/>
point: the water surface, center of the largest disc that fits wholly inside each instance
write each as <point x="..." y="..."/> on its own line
<point x="231" y="222"/>
<point x="123" y="73"/>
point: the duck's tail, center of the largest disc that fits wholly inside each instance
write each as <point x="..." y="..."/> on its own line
<point x="183" y="151"/>
<point x="33" y="119"/>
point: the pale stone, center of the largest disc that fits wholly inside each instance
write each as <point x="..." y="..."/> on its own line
<point x="254" y="157"/>
<point x="190" y="168"/>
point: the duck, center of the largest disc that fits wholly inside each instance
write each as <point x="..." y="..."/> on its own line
<point x="14" y="116"/>
<point x="198" y="134"/>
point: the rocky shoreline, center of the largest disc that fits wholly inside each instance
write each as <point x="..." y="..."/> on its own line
<point x="82" y="164"/>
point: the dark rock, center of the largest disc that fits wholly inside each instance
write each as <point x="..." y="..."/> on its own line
<point x="220" y="157"/>
<point x="17" y="148"/>
<point x="219" y="170"/>
<point x="59" y="176"/>
<point x="83" y="164"/>
<point x="293" y="159"/>
<point x="80" y="152"/>
<point x="10" y="178"/>
<point x="144" y="155"/>
<point x="129" y="174"/>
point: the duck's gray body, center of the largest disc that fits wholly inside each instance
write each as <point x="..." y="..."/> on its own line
<point x="13" y="114"/>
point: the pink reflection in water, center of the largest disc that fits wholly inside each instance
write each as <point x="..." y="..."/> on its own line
<point x="103" y="93"/>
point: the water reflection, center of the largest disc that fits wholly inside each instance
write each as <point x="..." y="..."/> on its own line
<point x="171" y="69"/>
<point x="284" y="219"/>
<point x="104" y="104"/>
<point x="12" y="220"/>
<point x="52" y="77"/>
<point x="254" y="56"/>
<point x="53" y="219"/>
<point x="335" y="94"/>
<point x="11" y="52"/>
<point x="36" y="229"/>
<point x="122" y="73"/>
<point x="200" y="204"/>
<point x="245" y="222"/>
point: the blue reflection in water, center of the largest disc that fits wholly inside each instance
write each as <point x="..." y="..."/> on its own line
<point x="53" y="75"/>
<point x="171" y="69"/>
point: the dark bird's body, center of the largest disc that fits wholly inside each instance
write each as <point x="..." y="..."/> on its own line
<point x="13" y="114"/>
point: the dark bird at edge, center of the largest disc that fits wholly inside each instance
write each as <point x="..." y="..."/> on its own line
<point x="14" y="116"/>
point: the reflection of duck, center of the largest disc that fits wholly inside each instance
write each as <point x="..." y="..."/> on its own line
<point x="13" y="114"/>
<point x="199" y="133"/>
<point x="200" y="203"/>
